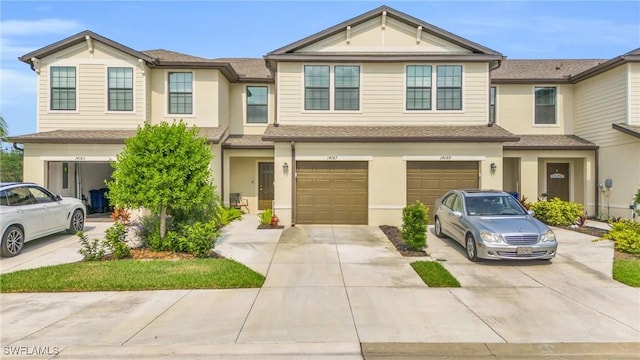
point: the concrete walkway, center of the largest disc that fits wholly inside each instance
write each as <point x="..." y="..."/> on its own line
<point x="338" y="292"/>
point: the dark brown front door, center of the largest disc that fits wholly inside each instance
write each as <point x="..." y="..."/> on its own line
<point x="558" y="181"/>
<point x="265" y="185"/>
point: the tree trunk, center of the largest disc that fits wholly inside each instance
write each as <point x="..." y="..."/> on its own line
<point x="163" y="221"/>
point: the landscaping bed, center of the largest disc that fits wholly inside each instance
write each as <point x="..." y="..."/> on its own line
<point x="395" y="236"/>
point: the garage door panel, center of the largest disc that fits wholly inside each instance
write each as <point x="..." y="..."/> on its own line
<point x="428" y="180"/>
<point x="332" y="192"/>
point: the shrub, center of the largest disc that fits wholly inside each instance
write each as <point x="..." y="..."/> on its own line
<point x="90" y="250"/>
<point x="116" y="241"/>
<point x="121" y="215"/>
<point x="224" y="216"/>
<point x="525" y="204"/>
<point x="199" y="238"/>
<point x="557" y="212"/>
<point x="626" y="235"/>
<point x="265" y="217"/>
<point x="414" y="225"/>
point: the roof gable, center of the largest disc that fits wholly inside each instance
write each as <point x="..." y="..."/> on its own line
<point x="387" y="30"/>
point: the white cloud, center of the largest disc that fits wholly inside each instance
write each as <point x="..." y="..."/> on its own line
<point x="41" y="26"/>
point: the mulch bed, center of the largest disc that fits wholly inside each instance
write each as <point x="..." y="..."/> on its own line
<point x="394" y="235"/>
<point x="148" y="254"/>
<point x="261" y="227"/>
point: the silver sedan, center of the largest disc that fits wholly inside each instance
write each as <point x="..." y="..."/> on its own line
<point x="492" y="225"/>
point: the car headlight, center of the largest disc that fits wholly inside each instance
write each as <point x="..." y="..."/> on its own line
<point x="548" y="236"/>
<point x="490" y="237"/>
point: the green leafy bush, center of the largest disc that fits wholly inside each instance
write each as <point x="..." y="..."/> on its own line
<point x="116" y="241"/>
<point x="265" y="217"/>
<point x="200" y="238"/>
<point x="91" y="250"/>
<point x="414" y="225"/>
<point x="557" y="212"/>
<point x="224" y="216"/>
<point x="626" y="235"/>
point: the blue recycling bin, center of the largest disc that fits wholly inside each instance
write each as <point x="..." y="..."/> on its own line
<point x="97" y="201"/>
<point x="515" y="195"/>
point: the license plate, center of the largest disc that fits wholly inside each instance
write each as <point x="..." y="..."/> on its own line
<point x="524" y="251"/>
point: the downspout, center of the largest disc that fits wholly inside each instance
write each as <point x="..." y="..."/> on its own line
<point x="597" y="185"/>
<point x="491" y="121"/>
<point x="222" y="174"/>
<point x="294" y="179"/>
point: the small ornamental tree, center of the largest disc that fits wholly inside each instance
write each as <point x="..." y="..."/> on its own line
<point x="414" y="225"/>
<point x="164" y="167"/>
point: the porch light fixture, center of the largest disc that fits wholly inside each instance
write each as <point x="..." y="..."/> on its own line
<point x="494" y="167"/>
<point x="285" y="168"/>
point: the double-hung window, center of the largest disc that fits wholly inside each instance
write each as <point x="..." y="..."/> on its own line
<point x="418" y="87"/>
<point x="316" y="87"/>
<point x="257" y="98"/>
<point x="347" y="87"/>
<point x="63" y="88"/>
<point x="492" y="104"/>
<point x="545" y="111"/>
<point x="180" y="93"/>
<point x="449" y="87"/>
<point x="120" y="83"/>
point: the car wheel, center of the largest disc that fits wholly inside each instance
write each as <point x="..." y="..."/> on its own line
<point x="12" y="241"/>
<point x="472" y="251"/>
<point x="77" y="222"/>
<point x="438" y="227"/>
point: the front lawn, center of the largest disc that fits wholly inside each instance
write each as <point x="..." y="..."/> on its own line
<point x="133" y="275"/>
<point x="627" y="271"/>
<point x="434" y="274"/>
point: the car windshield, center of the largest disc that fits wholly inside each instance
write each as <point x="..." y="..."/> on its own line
<point x="493" y="205"/>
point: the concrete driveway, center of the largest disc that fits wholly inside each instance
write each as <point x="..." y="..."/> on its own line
<point x="338" y="292"/>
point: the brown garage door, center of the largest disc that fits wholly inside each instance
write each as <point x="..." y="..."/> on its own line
<point x="331" y="192"/>
<point x="428" y="180"/>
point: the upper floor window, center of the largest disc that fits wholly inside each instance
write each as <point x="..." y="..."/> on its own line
<point x="545" y="111"/>
<point x="492" y="104"/>
<point x="180" y="93"/>
<point x="347" y="87"/>
<point x="120" y="83"/>
<point x="257" y="98"/>
<point x="316" y="87"/>
<point x="418" y="87"/>
<point x="449" y="87"/>
<point x="63" y="88"/>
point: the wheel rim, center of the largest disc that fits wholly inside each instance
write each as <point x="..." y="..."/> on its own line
<point x="470" y="247"/>
<point x="78" y="221"/>
<point x="14" y="241"/>
<point x="438" y="227"/>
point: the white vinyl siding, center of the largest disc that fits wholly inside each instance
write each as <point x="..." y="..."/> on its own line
<point x="599" y="102"/>
<point x="383" y="98"/>
<point x="634" y="93"/>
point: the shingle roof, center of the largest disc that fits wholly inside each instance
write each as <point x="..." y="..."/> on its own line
<point x="480" y="133"/>
<point x="552" y="70"/>
<point x="550" y="142"/>
<point x="253" y="68"/>
<point x="213" y="135"/>
<point x="167" y="55"/>
<point x="247" y="142"/>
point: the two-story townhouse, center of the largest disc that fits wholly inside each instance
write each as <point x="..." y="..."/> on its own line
<point x="346" y="126"/>
<point x="93" y="93"/>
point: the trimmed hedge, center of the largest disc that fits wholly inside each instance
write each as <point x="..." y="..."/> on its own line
<point x="557" y="212"/>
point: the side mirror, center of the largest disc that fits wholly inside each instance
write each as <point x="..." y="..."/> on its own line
<point x="531" y="212"/>
<point x="58" y="198"/>
<point x="457" y="214"/>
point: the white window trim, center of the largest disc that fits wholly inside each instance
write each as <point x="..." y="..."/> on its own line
<point x="245" y="105"/>
<point x="332" y="90"/>
<point x="434" y="90"/>
<point x="167" y="114"/>
<point x="49" y="86"/>
<point x="106" y="91"/>
<point x="533" y="103"/>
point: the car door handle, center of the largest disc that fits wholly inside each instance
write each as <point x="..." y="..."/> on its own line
<point x="19" y="211"/>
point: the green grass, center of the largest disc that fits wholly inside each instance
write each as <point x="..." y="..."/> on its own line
<point x="627" y="271"/>
<point x="434" y="274"/>
<point x="132" y="275"/>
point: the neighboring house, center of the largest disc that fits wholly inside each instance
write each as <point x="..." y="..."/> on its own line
<point x="348" y="125"/>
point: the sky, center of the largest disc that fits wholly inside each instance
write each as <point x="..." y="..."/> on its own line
<point x="212" y="29"/>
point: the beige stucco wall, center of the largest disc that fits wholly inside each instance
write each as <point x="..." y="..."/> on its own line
<point x="515" y="109"/>
<point x="382" y="98"/>
<point x="238" y="112"/>
<point x="206" y="97"/>
<point x="91" y="90"/>
<point x="620" y="163"/>
<point x="241" y="174"/>
<point x="387" y="170"/>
